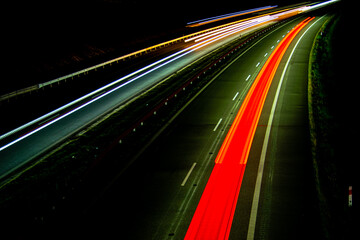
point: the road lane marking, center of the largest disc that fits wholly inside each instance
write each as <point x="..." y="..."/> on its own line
<point x="272" y="46"/>
<point x="256" y="197"/>
<point x="265" y="54"/>
<point x="217" y="125"/>
<point x="257" y="64"/>
<point x="188" y="174"/>
<point x="181" y="213"/>
<point x="215" y="211"/>
<point x="235" y="96"/>
<point x="248" y="77"/>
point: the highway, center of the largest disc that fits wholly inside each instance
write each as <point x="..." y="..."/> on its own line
<point x="160" y="193"/>
<point x="32" y="139"/>
<point x="156" y="198"/>
<point x="280" y="151"/>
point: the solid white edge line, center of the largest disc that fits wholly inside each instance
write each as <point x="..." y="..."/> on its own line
<point x="256" y="197"/>
<point x="217" y="125"/>
<point x="188" y="174"/>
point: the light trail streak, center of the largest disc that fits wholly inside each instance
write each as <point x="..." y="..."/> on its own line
<point x="211" y="33"/>
<point x="154" y="66"/>
<point x="319" y="5"/>
<point x="256" y="195"/>
<point x="226" y="16"/>
<point x="215" y="211"/>
<point x="241" y="27"/>
<point x="205" y="40"/>
<point x="243" y="24"/>
<point x="88" y="103"/>
<point x="98" y="91"/>
<point x="233" y="28"/>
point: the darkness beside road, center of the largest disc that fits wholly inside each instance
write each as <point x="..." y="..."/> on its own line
<point x="337" y="98"/>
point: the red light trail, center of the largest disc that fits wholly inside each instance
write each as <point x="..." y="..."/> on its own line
<point x="215" y="211"/>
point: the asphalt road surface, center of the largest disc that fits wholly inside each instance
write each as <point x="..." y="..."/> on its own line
<point x="287" y="204"/>
<point x="157" y="196"/>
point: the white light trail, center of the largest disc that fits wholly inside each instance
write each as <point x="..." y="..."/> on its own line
<point x="156" y="65"/>
<point x="234" y="14"/>
<point x="201" y="41"/>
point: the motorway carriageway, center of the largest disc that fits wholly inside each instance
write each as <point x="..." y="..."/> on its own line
<point x="215" y="211"/>
<point x="157" y="196"/>
<point x="59" y="124"/>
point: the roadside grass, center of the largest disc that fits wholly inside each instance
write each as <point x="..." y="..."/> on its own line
<point x="323" y="132"/>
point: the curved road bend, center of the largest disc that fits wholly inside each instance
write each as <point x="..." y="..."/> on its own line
<point x="287" y="202"/>
<point x="157" y="196"/>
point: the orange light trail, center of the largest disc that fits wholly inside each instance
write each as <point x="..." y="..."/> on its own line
<point x="215" y="211"/>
